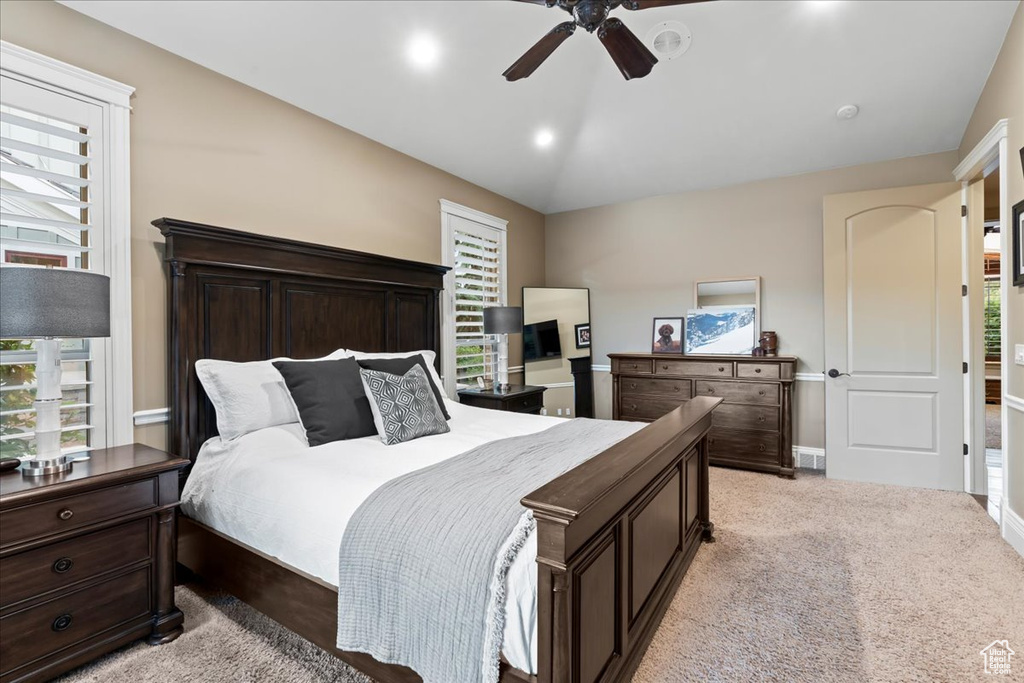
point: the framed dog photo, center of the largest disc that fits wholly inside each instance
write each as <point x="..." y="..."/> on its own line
<point x="583" y="336"/>
<point x="668" y="335"/>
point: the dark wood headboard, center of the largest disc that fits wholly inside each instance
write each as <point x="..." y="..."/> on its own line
<point x="240" y="296"/>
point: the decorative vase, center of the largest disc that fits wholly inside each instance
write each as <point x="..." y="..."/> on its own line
<point x="769" y="343"/>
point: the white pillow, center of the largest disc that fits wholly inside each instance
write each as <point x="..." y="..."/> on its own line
<point x="249" y="396"/>
<point x="428" y="357"/>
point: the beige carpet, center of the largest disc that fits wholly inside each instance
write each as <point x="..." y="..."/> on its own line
<point x="993" y="426"/>
<point x="810" y="580"/>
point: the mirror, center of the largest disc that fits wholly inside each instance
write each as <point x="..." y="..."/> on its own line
<point x="556" y="348"/>
<point x="726" y="303"/>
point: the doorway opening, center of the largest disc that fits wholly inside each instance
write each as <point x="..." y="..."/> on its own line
<point x="990" y="400"/>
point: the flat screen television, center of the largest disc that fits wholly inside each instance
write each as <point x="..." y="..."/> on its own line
<point x="541" y="341"/>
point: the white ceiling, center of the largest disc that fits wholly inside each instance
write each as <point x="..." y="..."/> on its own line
<point x="754" y="97"/>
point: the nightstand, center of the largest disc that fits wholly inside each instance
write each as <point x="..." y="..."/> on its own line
<point x="518" y="399"/>
<point x="87" y="561"/>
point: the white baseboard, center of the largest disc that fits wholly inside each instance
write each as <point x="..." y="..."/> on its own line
<point x="601" y="368"/>
<point x="1013" y="528"/>
<point x="151" y="417"/>
<point x="809" y="458"/>
<point x="810" y="377"/>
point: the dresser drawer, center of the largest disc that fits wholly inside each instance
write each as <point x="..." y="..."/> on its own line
<point x="734" y="416"/>
<point x="632" y="366"/>
<point x="658" y="386"/>
<point x="693" y="368"/>
<point x="645" y="408"/>
<point x="757" y="370"/>
<point x="42" y="570"/>
<point x="738" y="392"/>
<point x="51" y="626"/>
<point x="734" y="445"/>
<point x="63" y="514"/>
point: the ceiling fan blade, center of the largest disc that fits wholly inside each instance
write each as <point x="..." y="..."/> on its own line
<point x="535" y="56"/>
<point x="650" y="4"/>
<point x="629" y="54"/>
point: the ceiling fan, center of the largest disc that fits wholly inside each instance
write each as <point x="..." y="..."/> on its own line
<point x="629" y="54"/>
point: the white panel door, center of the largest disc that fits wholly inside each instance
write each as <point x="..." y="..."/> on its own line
<point x="893" y="341"/>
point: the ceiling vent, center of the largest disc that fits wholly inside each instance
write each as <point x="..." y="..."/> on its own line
<point x="669" y="39"/>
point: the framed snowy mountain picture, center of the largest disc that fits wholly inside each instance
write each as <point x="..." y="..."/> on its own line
<point x="728" y="330"/>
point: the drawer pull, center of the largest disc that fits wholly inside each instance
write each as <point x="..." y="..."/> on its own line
<point x="676" y="389"/>
<point x="760" y="418"/>
<point x="711" y="390"/>
<point x="761" y="392"/>
<point x="63" y="565"/>
<point x="721" y="369"/>
<point x="632" y="406"/>
<point x="66" y="514"/>
<point x="664" y="367"/>
<point x="61" y="623"/>
<point x="757" y="370"/>
<point x="632" y="385"/>
<point x="761" y="448"/>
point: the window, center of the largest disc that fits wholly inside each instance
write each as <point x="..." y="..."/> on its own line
<point x="64" y="204"/>
<point x="474" y="249"/>
<point x="993" y="315"/>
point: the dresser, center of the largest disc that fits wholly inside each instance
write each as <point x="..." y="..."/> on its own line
<point x="752" y="429"/>
<point x="520" y="398"/>
<point x="87" y="561"/>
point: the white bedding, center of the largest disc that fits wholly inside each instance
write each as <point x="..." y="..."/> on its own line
<point x="271" y="491"/>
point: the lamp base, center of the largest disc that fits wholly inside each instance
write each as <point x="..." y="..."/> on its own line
<point x="42" y="468"/>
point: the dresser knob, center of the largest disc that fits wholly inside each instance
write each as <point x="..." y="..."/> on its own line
<point x="664" y="367"/>
<point x="61" y="623"/>
<point x="721" y="369"/>
<point x="632" y="407"/>
<point x="711" y="390"/>
<point x="632" y="385"/>
<point x="66" y="514"/>
<point x="761" y="393"/>
<point x="757" y="370"/>
<point x="676" y="389"/>
<point x="760" y="418"/>
<point x="761" y="448"/>
<point x="63" y="565"/>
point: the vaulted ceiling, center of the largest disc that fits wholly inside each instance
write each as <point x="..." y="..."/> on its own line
<point x="755" y="96"/>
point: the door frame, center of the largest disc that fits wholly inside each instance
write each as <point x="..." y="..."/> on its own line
<point x="991" y="152"/>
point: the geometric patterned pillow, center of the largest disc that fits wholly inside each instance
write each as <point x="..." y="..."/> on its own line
<point x="403" y="406"/>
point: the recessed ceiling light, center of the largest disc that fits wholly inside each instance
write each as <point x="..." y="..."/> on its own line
<point x="847" y="111"/>
<point x="544" y="138"/>
<point x="423" y="51"/>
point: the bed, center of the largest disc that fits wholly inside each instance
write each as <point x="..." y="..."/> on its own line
<point x="613" y="537"/>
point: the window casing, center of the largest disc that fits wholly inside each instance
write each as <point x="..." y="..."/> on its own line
<point x="474" y="247"/>
<point x="64" y="204"/>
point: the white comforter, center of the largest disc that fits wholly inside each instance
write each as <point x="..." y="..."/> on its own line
<point x="271" y="491"/>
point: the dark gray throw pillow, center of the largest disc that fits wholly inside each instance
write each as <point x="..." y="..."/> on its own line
<point x="404" y="407"/>
<point x="400" y="366"/>
<point x="329" y="398"/>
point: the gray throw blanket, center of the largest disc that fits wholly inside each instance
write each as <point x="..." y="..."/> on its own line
<point x="424" y="559"/>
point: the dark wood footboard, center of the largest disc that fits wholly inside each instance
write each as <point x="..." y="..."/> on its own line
<point x="615" y="536"/>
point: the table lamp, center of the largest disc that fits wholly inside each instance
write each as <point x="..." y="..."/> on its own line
<point x="47" y="304"/>
<point x="503" y="321"/>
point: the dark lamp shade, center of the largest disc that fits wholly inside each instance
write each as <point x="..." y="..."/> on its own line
<point x="53" y="302"/>
<point x="503" y="320"/>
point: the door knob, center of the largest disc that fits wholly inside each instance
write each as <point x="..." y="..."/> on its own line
<point x="833" y="373"/>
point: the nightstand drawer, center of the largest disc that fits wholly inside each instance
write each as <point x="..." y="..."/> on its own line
<point x="29" y="574"/>
<point x="525" y="404"/>
<point x="51" y="626"/>
<point x="72" y="512"/>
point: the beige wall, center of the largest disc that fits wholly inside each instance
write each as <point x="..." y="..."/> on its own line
<point x="640" y="259"/>
<point x="209" y="149"/>
<point x="1003" y="98"/>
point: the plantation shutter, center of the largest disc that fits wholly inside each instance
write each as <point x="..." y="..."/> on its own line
<point x="48" y="169"/>
<point x="476" y="281"/>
